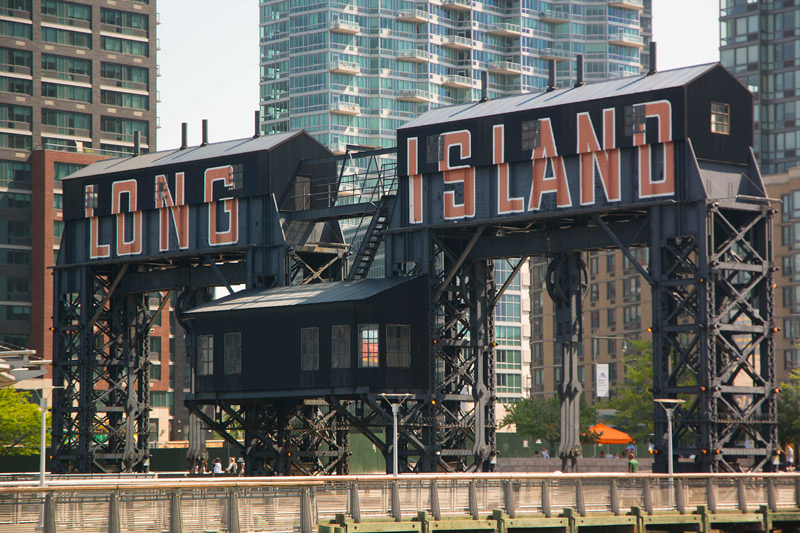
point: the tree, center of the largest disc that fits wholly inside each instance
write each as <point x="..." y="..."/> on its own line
<point x="633" y="399"/>
<point x="789" y="408"/>
<point x="541" y="419"/>
<point x="19" y="423"/>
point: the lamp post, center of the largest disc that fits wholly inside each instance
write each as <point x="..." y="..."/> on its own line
<point x="669" y="405"/>
<point x="395" y="411"/>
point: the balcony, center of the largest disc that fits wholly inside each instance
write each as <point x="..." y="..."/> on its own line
<point x="16" y="69"/>
<point x="457" y="42"/>
<point x="122" y="30"/>
<point x="345" y="108"/>
<point x="504" y="67"/>
<point x="122" y="84"/>
<point x="554" y="16"/>
<point x="457" y="5"/>
<point x="626" y="39"/>
<point x="413" y="95"/>
<point x="64" y="130"/>
<point x="505" y="30"/>
<point x="554" y="53"/>
<point x="457" y="82"/>
<point x="66" y="21"/>
<point x="638" y="5"/>
<point x="413" y="56"/>
<point x="412" y="15"/>
<point x="345" y="27"/>
<point x="345" y="67"/>
<point x="17" y="125"/>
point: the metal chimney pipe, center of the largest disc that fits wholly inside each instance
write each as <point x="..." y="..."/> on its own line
<point x="579" y="82"/>
<point x="205" y="133"/>
<point x="258" y="125"/>
<point x="653" y="69"/>
<point x="184" y="136"/>
<point x="551" y="78"/>
<point x="137" y="143"/>
<point x="484" y="86"/>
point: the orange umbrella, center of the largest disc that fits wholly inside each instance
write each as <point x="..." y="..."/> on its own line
<point x="609" y="435"/>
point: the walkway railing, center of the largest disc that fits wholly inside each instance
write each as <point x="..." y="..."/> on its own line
<point x="406" y="503"/>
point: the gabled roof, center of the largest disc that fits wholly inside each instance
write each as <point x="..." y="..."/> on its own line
<point x="667" y="79"/>
<point x="192" y="153"/>
<point x="315" y="293"/>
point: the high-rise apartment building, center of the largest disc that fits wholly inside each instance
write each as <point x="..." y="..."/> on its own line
<point x="77" y="80"/>
<point x="760" y="44"/>
<point x="351" y="72"/>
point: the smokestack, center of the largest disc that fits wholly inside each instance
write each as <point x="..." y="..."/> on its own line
<point x="184" y="136"/>
<point x="484" y="86"/>
<point x="652" y="58"/>
<point x="205" y="133"/>
<point x="137" y="143"/>
<point x="551" y="77"/>
<point x="579" y="82"/>
<point x="258" y="125"/>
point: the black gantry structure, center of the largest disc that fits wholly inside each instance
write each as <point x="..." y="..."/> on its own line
<point x="311" y="350"/>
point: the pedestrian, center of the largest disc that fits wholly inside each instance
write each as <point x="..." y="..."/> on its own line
<point x="241" y="467"/>
<point x="545" y="454"/>
<point x="232" y="466"/>
<point x="217" y="466"/>
<point x="633" y="464"/>
<point x="789" y="457"/>
<point x="776" y="460"/>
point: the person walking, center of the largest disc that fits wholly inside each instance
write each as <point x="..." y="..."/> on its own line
<point x="633" y="464"/>
<point x="789" y="451"/>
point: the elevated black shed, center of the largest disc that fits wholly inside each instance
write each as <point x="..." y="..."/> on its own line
<point x="350" y="337"/>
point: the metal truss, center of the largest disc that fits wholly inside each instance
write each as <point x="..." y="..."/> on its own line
<point x="101" y="372"/>
<point x="286" y="437"/>
<point x="713" y="304"/>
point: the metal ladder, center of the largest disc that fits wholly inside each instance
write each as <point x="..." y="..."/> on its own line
<point x="371" y="241"/>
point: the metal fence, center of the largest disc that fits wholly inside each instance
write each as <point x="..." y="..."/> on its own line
<point x="307" y="504"/>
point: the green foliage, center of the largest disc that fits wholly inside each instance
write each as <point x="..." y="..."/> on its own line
<point x="20" y="423"/>
<point x="541" y="419"/>
<point x="789" y="409"/>
<point x="633" y="399"/>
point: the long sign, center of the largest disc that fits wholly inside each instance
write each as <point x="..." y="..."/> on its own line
<point x="480" y="170"/>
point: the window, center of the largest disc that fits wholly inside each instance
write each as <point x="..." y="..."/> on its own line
<point x="155" y="345"/>
<point x="16" y="86"/>
<point x="233" y="353"/>
<point x="62" y="170"/>
<point x="632" y="317"/>
<point x="434" y="149"/>
<point x="155" y="371"/>
<point x="340" y="346"/>
<point x="67" y="68"/>
<point x="509" y="359"/>
<point x="612" y="348"/>
<point x="634" y="119"/>
<point x="15" y="117"/>
<point x="632" y="289"/>
<point x="16" y="175"/>
<point x="368" y="345"/>
<point x="125" y="76"/>
<point x="132" y="101"/>
<point x="720" y="118"/>
<point x="18" y="61"/>
<point x="791" y="359"/>
<point x="508" y="335"/>
<point x="125" y="46"/>
<point x="66" y="92"/>
<point x="398" y="346"/>
<point x="309" y="349"/>
<point x="611" y="263"/>
<point x="205" y="355"/>
<point x="67" y="13"/>
<point x="536" y="303"/>
<point x="531" y="135"/>
<point x="121" y="129"/>
<point x="70" y="38"/>
<point x="537" y="350"/>
<point x="16" y="29"/>
<point x="10" y="140"/>
<point x="595" y="319"/>
<point x="611" y="290"/>
<point x="508" y="308"/>
<point x="66" y="122"/>
<point x="124" y="22"/>
<point x="502" y="271"/>
<point x="594" y="293"/>
<point x="509" y="384"/>
<point x="15" y="200"/>
<point x="594" y="267"/>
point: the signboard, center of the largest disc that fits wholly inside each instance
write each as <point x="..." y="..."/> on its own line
<point x="601" y="377"/>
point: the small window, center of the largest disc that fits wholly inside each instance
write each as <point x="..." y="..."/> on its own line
<point x="720" y="118"/>
<point x="398" y="346"/>
<point x="635" y="119"/>
<point x="435" y="149"/>
<point x="233" y="353"/>
<point x="531" y="135"/>
<point x="309" y="349"/>
<point x="238" y="177"/>
<point x="340" y="346"/>
<point x="205" y="355"/>
<point x="368" y="345"/>
<point x="90" y="197"/>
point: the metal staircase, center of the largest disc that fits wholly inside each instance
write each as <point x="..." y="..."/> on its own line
<point x="371" y="241"/>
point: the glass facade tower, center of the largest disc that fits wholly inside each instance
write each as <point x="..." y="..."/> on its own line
<point x="352" y="72"/>
<point x="760" y="44"/>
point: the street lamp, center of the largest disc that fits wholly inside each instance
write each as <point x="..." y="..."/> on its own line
<point x="669" y="405"/>
<point x="395" y="411"/>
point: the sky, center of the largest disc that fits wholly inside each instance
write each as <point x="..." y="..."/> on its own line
<point x="209" y="61"/>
